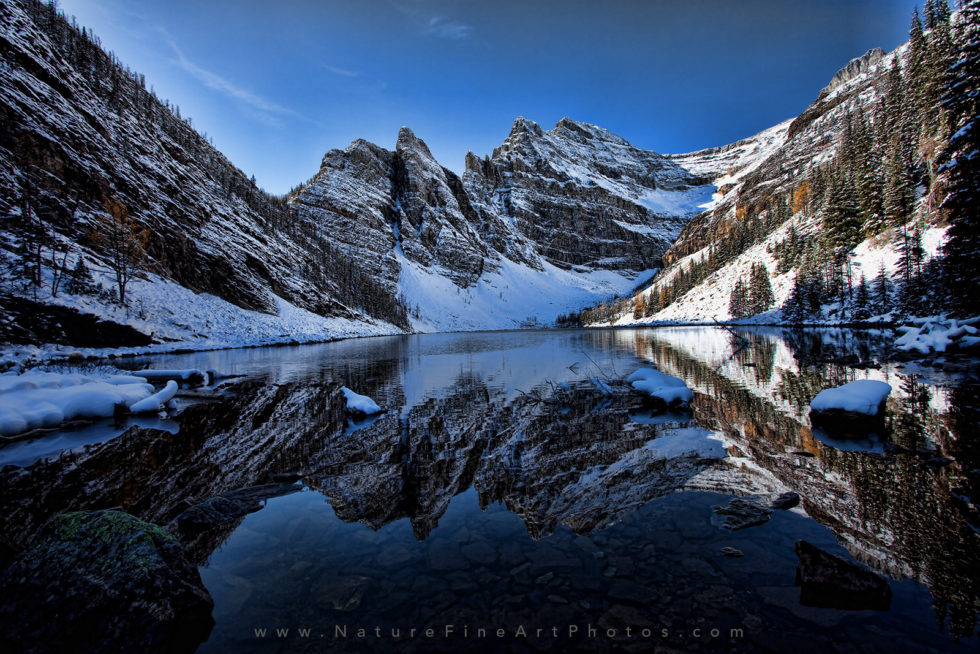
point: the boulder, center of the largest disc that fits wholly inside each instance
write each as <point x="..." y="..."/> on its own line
<point x="100" y="581"/>
<point x="785" y="501"/>
<point x="829" y="581"/>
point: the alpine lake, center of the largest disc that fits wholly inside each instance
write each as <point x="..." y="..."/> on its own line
<point x="517" y="494"/>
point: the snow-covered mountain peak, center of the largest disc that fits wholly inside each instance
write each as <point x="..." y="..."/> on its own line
<point x="524" y="126"/>
<point x="409" y="143"/>
<point x="855" y="67"/>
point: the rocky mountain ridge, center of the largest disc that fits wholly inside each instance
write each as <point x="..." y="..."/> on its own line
<point x="575" y="200"/>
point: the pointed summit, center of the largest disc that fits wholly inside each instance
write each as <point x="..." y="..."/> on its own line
<point x="408" y="142"/>
<point x="524" y="126"/>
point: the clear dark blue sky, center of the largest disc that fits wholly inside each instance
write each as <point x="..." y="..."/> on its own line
<point x="277" y="84"/>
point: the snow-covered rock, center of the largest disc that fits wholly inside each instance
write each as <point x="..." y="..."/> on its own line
<point x="937" y="334"/>
<point x="157" y="401"/>
<point x="671" y="390"/>
<point x="864" y="396"/>
<point x="360" y="404"/>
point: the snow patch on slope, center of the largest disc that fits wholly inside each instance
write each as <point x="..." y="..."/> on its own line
<point x="686" y="202"/>
<point x="512" y="297"/>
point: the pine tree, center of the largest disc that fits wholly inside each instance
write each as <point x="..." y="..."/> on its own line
<point x="793" y="310"/>
<point x="813" y="294"/>
<point x="80" y="279"/>
<point x="898" y="186"/>
<point x="961" y="164"/>
<point x="883" y="291"/>
<point x="929" y="14"/>
<point x="862" y="300"/>
<point x="868" y="180"/>
<point x="908" y="241"/>
<point x="805" y="299"/>
<point x="915" y="64"/>
<point x="939" y="58"/>
<point x="761" y="297"/>
<point x="841" y="222"/>
<point x="738" y="300"/>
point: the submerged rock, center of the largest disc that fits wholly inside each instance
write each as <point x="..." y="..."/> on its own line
<point x="829" y="581"/>
<point x="103" y="581"/>
<point x="217" y="510"/>
<point x="741" y="513"/>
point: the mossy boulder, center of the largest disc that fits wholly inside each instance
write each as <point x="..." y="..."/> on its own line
<point x="103" y="581"/>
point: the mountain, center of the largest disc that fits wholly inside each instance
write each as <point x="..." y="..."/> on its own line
<point x="79" y="130"/>
<point x="551" y="221"/>
<point x="94" y="166"/>
<point x="824" y="212"/>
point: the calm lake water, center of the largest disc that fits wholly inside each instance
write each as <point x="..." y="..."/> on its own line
<point x="516" y="497"/>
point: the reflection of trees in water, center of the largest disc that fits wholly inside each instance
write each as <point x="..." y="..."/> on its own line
<point x="811" y="346"/>
<point x="898" y="504"/>
<point x="913" y="421"/>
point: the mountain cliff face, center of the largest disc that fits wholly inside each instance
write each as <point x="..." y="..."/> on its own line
<point x="77" y="130"/>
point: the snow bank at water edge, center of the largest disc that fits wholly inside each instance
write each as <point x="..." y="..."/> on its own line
<point x="38" y="400"/>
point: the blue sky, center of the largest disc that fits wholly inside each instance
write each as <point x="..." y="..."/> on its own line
<point x="277" y="84"/>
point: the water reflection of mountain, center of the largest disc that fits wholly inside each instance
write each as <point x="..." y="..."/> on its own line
<point x="904" y="511"/>
<point x="491" y="412"/>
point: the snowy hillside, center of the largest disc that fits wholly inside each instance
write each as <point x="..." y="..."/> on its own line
<point x="792" y="199"/>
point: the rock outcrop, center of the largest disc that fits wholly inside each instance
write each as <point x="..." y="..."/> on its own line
<point x="103" y="581"/>
<point x="855" y="67"/>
